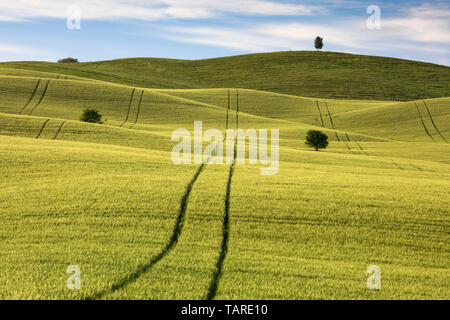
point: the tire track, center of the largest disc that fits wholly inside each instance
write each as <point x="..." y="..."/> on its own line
<point x="176" y="233"/>
<point x="237" y="109"/>
<point x="139" y="110"/>
<point x="334" y="128"/>
<point x="434" y="124"/>
<point x="348" y="140"/>
<point x="129" y="107"/>
<point x="59" y="130"/>
<point x="169" y="246"/>
<point x="217" y="274"/>
<point x="423" y="123"/>
<point x="31" y="97"/>
<point x="320" y="113"/>
<point x="228" y="110"/>
<point x="346" y="134"/>
<point x="332" y="123"/>
<point x="42" y="128"/>
<point x="42" y="98"/>
<point x="359" y="146"/>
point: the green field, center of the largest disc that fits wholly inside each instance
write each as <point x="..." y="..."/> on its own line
<point x="302" y="73"/>
<point x="109" y="199"/>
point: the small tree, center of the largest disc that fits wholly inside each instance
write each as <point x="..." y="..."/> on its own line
<point x="91" y="115"/>
<point x="316" y="139"/>
<point x="318" y="43"/>
<point x="68" y="60"/>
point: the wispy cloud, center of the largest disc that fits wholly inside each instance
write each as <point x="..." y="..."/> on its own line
<point x="422" y="24"/>
<point x="418" y="29"/>
<point x="408" y="28"/>
<point x="150" y="9"/>
<point x="12" y="52"/>
<point x="8" y="48"/>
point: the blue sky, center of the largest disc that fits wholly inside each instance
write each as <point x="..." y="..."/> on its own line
<point x="196" y="29"/>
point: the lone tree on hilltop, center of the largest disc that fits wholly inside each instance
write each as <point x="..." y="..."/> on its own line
<point x="68" y="60"/>
<point x="316" y="139"/>
<point x="91" y="115"/>
<point x="318" y="43"/>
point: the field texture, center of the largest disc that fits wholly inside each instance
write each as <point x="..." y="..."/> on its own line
<point x="302" y="73"/>
<point x="108" y="198"/>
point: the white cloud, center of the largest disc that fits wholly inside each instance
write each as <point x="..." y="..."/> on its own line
<point x="420" y="29"/>
<point x="149" y="9"/>
<point x="422" y="24"/>
<point x="423" y="29"/>
<point x="14" y="49"/>
<point x="10" y="52"/>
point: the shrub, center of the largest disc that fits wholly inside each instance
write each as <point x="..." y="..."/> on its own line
<point x="316" y="139"/>
<point x="91" y="115"/>
<point x="68" y="60"/>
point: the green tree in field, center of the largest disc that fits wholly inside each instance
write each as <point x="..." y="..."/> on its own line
<point x="68" y="60"/>
<point x="316" y="139"/>
<point x="318" y="43"/>
<point x="91" y="115"/>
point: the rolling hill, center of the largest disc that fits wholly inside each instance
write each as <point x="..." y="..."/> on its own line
<point x="303" y="73"/>
<point x="107" y="197"/>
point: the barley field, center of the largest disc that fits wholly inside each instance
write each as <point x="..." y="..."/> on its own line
<point x="108" y="198"/>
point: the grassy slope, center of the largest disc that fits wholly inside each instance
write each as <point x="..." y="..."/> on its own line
<point x="315" y="228"/>
<point x="105" y="197"/>
<point x="360" y="120"/>
<point x="365" y="117"/>
<point x="304" y="73"/>
<point x="301" y="239"/>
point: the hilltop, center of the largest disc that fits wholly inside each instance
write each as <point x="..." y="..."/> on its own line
<point x="300" y="73"/>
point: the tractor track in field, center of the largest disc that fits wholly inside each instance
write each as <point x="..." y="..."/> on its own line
<point x="333" y="127"/>
<point x="320" y="114"/>
<point x="42" y="128"/>
<point x="237" y="109"/>
<point x="59" y="130"/>
<point x="217" y="274"/>
<point x="359" y="146"/>
<point x="346" y="134"/>
<point x="168" y="247"/>
<point x="332" y="123"/>
<point x="228" y="110"/>
<point x="42" y="98"/>
<point x="348" y="140"/>
<point x="31" y="97"/>
<point x="138" y="110"/>
<point x="129" y="107"/>
<point x="423" y="123"/>
<point x="177" y="229"/>
<point x="416" y="167"/>
<point x="433" y="123"/>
